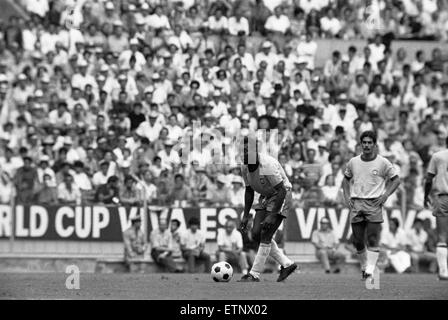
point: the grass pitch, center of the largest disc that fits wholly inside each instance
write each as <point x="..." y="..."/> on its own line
<point x="201" y="286"/>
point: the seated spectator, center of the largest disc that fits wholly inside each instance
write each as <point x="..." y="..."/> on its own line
<point x="48" y="194"/>
<point x="162" y="247"/>
<point x="180" y="193"/>
<point x="236" y="192"/>
<point x="147" y="187"/>
<point x="68" y="192"/>
<point x="219" y="194"/>
<point x="6" y="188"/>
<point x="134" y="245"/>
<point x="393" y="244"/>
<point x="311" y="169"/>
<point x="109" y="192"/>
<point x="100" y="177"/>
<point x="326" y="243"/>
<point x="193" y="245"/>
<point x="25" y="181"/>
<point x="330" y="24"/>
<point x="129" y="195"/>
<point x="331" y="193"/>
<point x="417" y="238"/>
<point x="278" y="22"/>
<point x="81" y="178"/>
<point x="230" y="247"/>
<point x="177" y="236"/>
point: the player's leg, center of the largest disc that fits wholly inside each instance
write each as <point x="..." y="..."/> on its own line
<point x="442" y="250"/>
<point x="359" y="225"/>
<point x="278" y="255"/>
<point x="287" y="266"/>
<point x="267" y="234"/>
<point x="259" y="234"/>
<point x="373" y="231"/>
<point x="259" y="217"/>
<point x="359" y="236"/>
<point x="242" y="261"/>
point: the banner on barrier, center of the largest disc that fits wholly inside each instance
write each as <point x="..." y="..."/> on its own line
<point x="100" y="223"/>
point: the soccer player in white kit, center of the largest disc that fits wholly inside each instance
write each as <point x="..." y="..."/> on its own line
<point x="369" y="180"/>
<point x="264" y="174"/>
<point x="438" y="170"/>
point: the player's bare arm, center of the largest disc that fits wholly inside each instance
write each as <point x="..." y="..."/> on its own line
<point x="249" y="195"/>
<point x="346" y="191"/>
<point x="393" y="184"/>
<point x="428" y="187"/>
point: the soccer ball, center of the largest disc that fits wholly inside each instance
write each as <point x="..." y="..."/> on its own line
<point x="222" y="272"/>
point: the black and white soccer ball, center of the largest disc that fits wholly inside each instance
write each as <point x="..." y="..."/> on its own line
<point x="222" y="272"/>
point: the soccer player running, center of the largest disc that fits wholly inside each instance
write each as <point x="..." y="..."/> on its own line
<point x="264" y="174"/>
<point x="438" y="169"/>
<point x="369" y="181"/>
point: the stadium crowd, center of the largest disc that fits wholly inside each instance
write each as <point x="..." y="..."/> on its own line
<point x="97" y="95"/>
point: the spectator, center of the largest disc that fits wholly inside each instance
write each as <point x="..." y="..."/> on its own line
<point x="326" y="243"/>
<point x="332" y="193"/>
<point x="236" y="192"/>
<point x="393" y="244"/>
<point x="108" y="193"/>
<point x="192" y="246"/>
<point x="47" y="195"/>
<point x="417" y="238"/>
<point x="180" y="193"/>
<point x="278" y="23"/>
<point x="147" y="187"/>
<point x="177" y="237"/>
<point x="68" y="192"/>
<point x="219" y="194"/>
<point x="134" y="245"/>
<point x="230" y="247"/>
<point x="129" y="195"/>
<point x="25" y="181"/>
<point x="162" y="248"/>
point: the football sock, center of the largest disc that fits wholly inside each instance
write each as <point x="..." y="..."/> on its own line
<point x="372" y="257"/>
<point x="442" y="253"/>
<point x="279" y="256"/>
<point x="362" y="256"/>
<point x="260" y="259"/>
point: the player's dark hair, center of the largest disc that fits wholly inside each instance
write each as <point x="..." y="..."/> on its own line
<point x="368" y="134"/>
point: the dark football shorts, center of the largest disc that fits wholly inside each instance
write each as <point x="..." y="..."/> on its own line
<point x="441" y="205"/>
<point x="268" y="203"/>
<point x="365" y="210"/>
